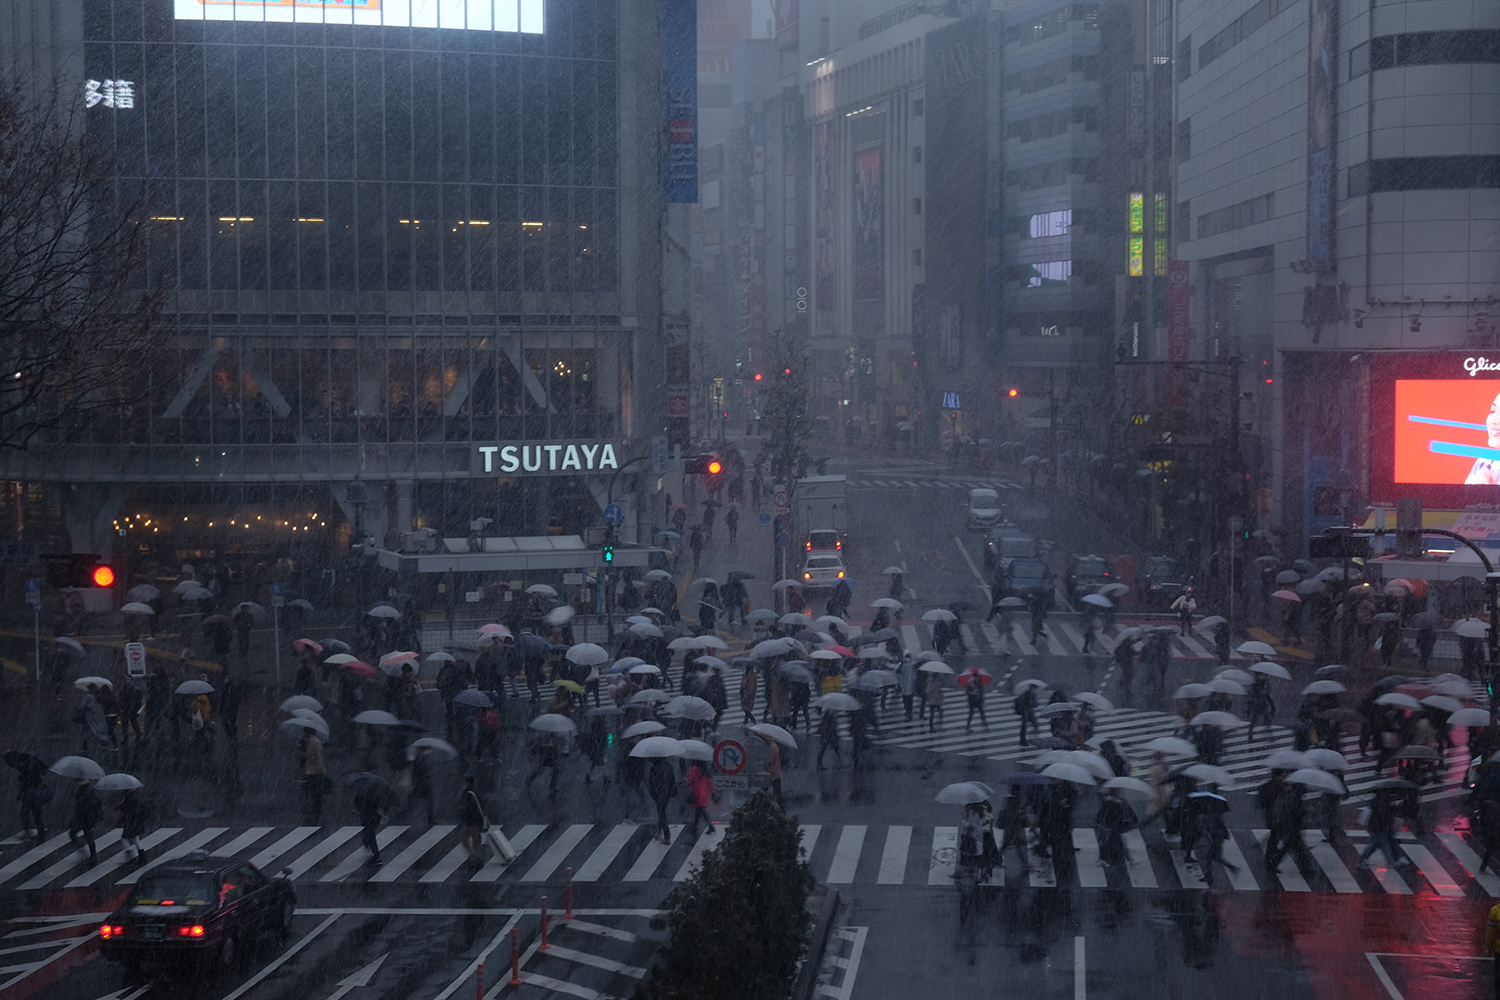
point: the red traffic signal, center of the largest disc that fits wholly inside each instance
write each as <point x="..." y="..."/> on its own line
<point x="715" y="467"/>
<point x="757" y="376"/>
<point x="103" y="576"/>
<point x="1013" y="392"/>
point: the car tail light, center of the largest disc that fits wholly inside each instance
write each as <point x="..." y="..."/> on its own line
<point x="807" y="576"/>
<point x="841" y="574"/>
<point x="190" y="930"/>
<point x="809" y="545"/>
<point x="839" y="546"/>
<point x="106" y="931"/>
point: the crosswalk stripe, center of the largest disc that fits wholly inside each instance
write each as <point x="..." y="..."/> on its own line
<point x="181" y="850"/>
<point x="944" y="855"/>
<point x="1391" y="881"/>
<point x="808" y="837"/>
<point x="325" y="847"/>
<point x="105" y="867"/>
<point x="1021" y="639"/>
<point x="645" y="865"/>
<point x="1333" y="867"/>
<point x="893" y="857"/>
<point x="264" y="858"/>
<point x="1090" y="871"/>
<point x="446" y="867"/>
<point x="1186" y="876"/>
<point x="967" y="634"/>
<point x="1290" y="881"/>
<point x="1437" y="876"/>
<point x="909" y="637"/>
<point x="70" y="859"/>
<point x="1138" y="862"/>
<point x="496" y="865"/>
<point x="1193" y="646"/>
<point x="1466" y="857"/>
<point x="243" y="841"/>
<point x="397" y="865"/>
<point x="992" y="634"/>
<point x="560" y="849"/>
<point x="1242" y="878"/>
<point x="34" y="856"/>
<point x="358" y="857"/>
<point x="846" y="856"/>
<point x="605" y="853"/>
<point x="708" y="839"/>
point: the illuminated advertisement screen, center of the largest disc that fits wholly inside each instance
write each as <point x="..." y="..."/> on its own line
<point x="524" y="16"/>
<point x="1435" y="430"/>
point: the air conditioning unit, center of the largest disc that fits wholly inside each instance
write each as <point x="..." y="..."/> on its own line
<point x="421" y="540"/>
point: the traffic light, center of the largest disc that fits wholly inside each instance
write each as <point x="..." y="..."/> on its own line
<point x="78" y="570"/>
<point x="757" y="376"/>
<point x="702" y="465"/>
<point x="102" y="576"/>
<point x="608" y="552"/>
<point x="1012" y="392"/>
<point x="715" y="467"/>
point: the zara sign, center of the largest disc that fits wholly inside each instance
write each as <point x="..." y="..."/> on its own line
<point x="561" y="458"/>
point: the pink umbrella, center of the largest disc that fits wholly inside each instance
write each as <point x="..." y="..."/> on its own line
<point x="1287" y="595"/>
<point x="300" y="644"/>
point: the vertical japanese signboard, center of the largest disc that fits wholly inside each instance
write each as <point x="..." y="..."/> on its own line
<point x="1322" y="132"/>
<point x="679" y="28"/>
<point x="1179" y="335"/>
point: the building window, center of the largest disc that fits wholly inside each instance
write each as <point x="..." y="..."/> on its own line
<point x="1184" y="220"/>
<point x="1045" y="273"/>
<point x="1424" y="173"/>
<point x="1359" y="60"/>
<point x="1184" y="58"/>
<point x="1052" y="174"/>
<point x="1054" y="22"/>
<point x="916" y="107"/>
<point x="1246" y="213"/>
<point x="1183" y="149"/>
<point x="1051" y="223"/>
<point x="1053" y="74"/>
<point x="1243" y="27"/>
<point x="1430" y="48"/>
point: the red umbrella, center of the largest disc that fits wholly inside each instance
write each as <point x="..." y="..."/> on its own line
<point x="216" y="620"/>
<point x="984" y="677"/>
<point x="301" y="644"/>
<point x="1287" y="595"/>
<point x="360" y="668"/>
<point x="1417" y="691"/>
<point x="841" y="650"/>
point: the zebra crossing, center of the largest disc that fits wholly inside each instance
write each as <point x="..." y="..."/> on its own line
<point x="1061" y="637"/>
<point x="893" y="481"/>
<point x="1445" y="864"/>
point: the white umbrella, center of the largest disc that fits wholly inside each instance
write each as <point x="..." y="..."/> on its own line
<point x="796" y="618"/>
<point x="685" y="642"/>
<point x="72" y="644"/>
<point x="77" y="767"/>
<point x="1031" y="684"/>
<point x="769" y="648"/>
<point x="1056" y="708"/>
<point x="1130" y="786"/>
<point x="1398" y="699"/>
<point x="119" y="782"/>
<point x="648" y="728"/>
<point x="1443" y="703"/>
<point x="879" y="678"/>
<point x="645" y="668"/>
<point x="83" y="683"/>
<point x="1212" y="775"/>
<point x="939" y="615"/>
<point x="542" y="588"/>
<point x="1114" y="590"/>
<point x="831" y="621"/>
<point x="696" y="750"/>
<point x="1470" y="717"/>
<point x="647" y="630"/>
<point x="1223" y="720"/>
<point x="935" y="667"/>
<point x="397" y="658"/>
<point x="143" y="592"/>
<point x="437" y="745"/>
<point x="1288" y="760"/>
<point x="375" y="717"/>
<point x="383" y="611"/>
<point x="183" y="586"/>
<point x="1235" y="674"/>
<point x="1014" y="602"/>
<point x="712" y="661"/>
<point x="776" y="733"/>
<point x="1224" y="685"/>
<point x="1255" y="647"/>
<point x="551" y="722"/>
<point x="493" y="628"/>
<point x="658" y="574"/>
<point x="1204" y="624"/>
<point x="137" y="608"/>
<point x="194" y="687"/>
<point x="1324" y="687"/>
<point x="690" y="707"/>
<point x="657" y="746"/>
<point x="587" y="654"/>
<point x="1172" y="745"/>
<point x="297" y="725"/>
<point x="824" y="654"/>
<point x="761" y="615"/>
<point x="650" y="696"/>
<point x="307" y="713"/>
<point x="560" y="615"/>
<point x="836" y="701"/>
<point x="1090" y="762"/>
<point x="876" y="652"/>
<point x="892" y="570"/>
<point x="1190" y="691"/>
<point x="303" y="701"/>
<point x="1271" y="670"/>
<point x="196" y="593"/>
<point x="1328" y="760"/>
<point x="1471" y="628"/>
<point x="1098" y="600"/>
<point x="1098" y="701"/>
<point x="1068" y="772"/>
<point x="785" y="584"/>
<point x="1313" y="778"/>
<point x="712" y="642"/>
<point x="440" y="657"/>
<point x="964" y="792"/>
<point x="886" y="602"/>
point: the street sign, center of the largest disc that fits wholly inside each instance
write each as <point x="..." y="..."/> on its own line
<point x="19" y="553"/>
<point x="732" y="782"/>
<point x="677" y="405"/>
<point x="730" y="756"/>
<point x="34" y="590"/>
<point x="472" y="596"/>
<point x="135" y="659"/>
<point x="278" y="601"/>
<point x="782" y="499"/>
<point x="277" y="590"/>
<point x="659" y="455"/>
<point x="783" y="539"/>
<point x="765" y="517"/>
<point x="614" y="513"/>
<point x="572" y="579"/>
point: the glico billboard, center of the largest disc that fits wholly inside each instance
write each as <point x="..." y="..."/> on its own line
<point x="1435" y="429"/>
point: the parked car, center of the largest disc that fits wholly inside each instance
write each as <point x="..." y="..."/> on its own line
<point x="984" y="509"/>
<point x="823" y="540"/>
<point x="1026" y="577"/>
<point x="1089" y="573"/>
<point x="822" y="571"/>
<point x="201" y="913"/>
<point x="1161" y="582"/>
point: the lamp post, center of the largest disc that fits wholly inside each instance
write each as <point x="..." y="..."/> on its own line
<point x="358" y="497"/>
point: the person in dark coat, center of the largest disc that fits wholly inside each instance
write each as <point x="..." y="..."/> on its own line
<point x="131" y="698"/>
<point x="86" y="812"/>
<point x="1025" y="707"/>
<point x="228" y="709"/>
<point x="708" y="607"/>
<point x="133" y="824"/>
<point x="1124" y="657"/>
<point x="1284" y="817"/>
<point x="421" y="781"/>
<point x="1113" y="819"/>
<point x="593" y="740"/>
<point x="31" y="793"/>
<point x="661" y="785"/>
<point x="244" y="621"/>
<point x="547" y="751"/>
<point x="1221" y="642"/>
<point x="828" y="737"/>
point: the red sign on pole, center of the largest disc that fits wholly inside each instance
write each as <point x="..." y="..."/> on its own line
<point x="677" y="405"/>
<point x="1179" y="333"/>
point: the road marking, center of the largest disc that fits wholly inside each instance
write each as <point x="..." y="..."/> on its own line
<point x="993" y="635"/>
<point x="605" y="854"/>
<point x="450" y="863"/>
<point x="181" y="850"/>
<point x="1460" y="849"/>
<point x="412" y="854"/>
<point x="1290" y="881"/>
<point x="1241" y="879"/>
<point x="283" y="958"/>
<point x="1142" y="875"/>
<point x="327" y="846"/>
<point x="602" y="930"/>
<point x="70" y="860"/>
<point x="360" y="978"/>
<point x="548" y="862"/>
<point x="1391" y="881"/>
<point x="893" y="858"/>
<point x="1385" y="979"/>
<point x="360" y="856"/>
<point x="276" y="850"/>
<point x="1019" y="637"/>
<point x="851" y="965"/>
<point x="707" y="839"/>
<point x="1442" y="883"/>
<point x="944" y="855"/>
<point x="559" y="986"/>
<point x="846" y="856"/>
<point x="33" y="856"/>
<point x="241" y="842"/>
<point x="807" y="837"/>
<point x="1333" y="867"/>
<point x="495" y="942"/>
<point x="496" y="865"/>
<point x="113" y="864"/>
<point x="1090" y="871"/>
<point x="1080" y="970"/>
<point x="645" y="865"/>
<point x="909" y="637"/>
<point x="598" y="962"/>
<point x="34" y="967"/>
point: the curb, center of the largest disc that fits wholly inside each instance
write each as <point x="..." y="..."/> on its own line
<point x="823" y="904"/>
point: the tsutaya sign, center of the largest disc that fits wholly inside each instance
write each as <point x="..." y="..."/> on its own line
<point x="561" y="458"/>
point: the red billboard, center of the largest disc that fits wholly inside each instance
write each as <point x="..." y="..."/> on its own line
<point x="1435" y="430"/>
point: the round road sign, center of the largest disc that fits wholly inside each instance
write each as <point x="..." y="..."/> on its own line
<point x="730" y="757"/>
<point x="782" y="499"/>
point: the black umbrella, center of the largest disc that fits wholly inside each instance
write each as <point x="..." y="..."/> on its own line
<point x="365" y="785"/>
<point x="1427" y="619"/>
<point x="1389" y="683"/>
<point x="795" y="674"/>
<point x="532" y="645"/>
<point x="23" y="761"/>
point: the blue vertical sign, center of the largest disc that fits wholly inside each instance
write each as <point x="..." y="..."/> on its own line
<point x="680" y="81"/>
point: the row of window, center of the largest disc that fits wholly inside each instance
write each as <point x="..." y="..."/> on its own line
<point x="1054" y="22"/>
<point x="1242" y="28"/>
<point x="1053" y="73"/>
<point x="1049" y="273"/>
<point x="1053" y="123"/>
<point x="1424" y="173"/>
<point x="1053" y="174"/>
<point x="1425" y="48"/>
<point x="1246" y="213"/>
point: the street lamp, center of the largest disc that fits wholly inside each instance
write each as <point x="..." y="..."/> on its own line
<point x="358" y="496"/>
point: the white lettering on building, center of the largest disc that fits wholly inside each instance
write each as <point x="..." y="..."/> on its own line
<point x="1481" y="364"/>
<point x="117" y="94"/>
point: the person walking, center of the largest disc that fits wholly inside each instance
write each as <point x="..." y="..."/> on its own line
<point x="547" y="751"/>
<point x="1038" y="607"/>
<point x="1221" y="642"/>
<point x="661" y="786"/>
<point x="314" y="777"/>
<point x="367" y="806"/>
<point x="421" y="782"/>
<point x="244" y="621"/>
<point x="1262" y="708"/>
<point x="749" y="684"/>
<point x="773" y="767"/>
<point x="975" y="690"/>
<point x="1210" y="808"/>
<point x="86" y="811"/>
<point x="906" y="677"/>
<point x="828" y="737"/>
<point x="472" y="820"/>
<point x="1382" y="827"/>
<point x="701" y="786"/>
<point x="593" y="740"/>
<point x="732" y="522"/>
<point x="695" y="542"/>
<point x="1185" y="606"/>
<point x="1012" y="822"/>
<point x="1285" y="820"/>
<point x="1112" y="820"/>
<point x="1025" y="707"/>
<point x="933" y="700"/>
<point x="133" y="824"/>
<point x="31" y="792"/>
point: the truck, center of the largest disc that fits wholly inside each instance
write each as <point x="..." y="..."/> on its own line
<point x="819" y="503"/>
